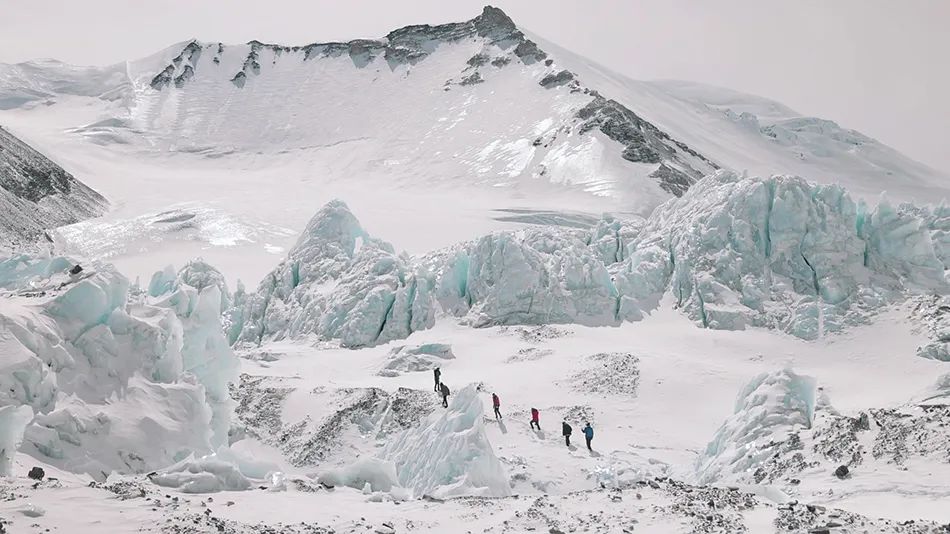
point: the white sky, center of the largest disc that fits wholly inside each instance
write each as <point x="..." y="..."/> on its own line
<point x="877" y="66"/>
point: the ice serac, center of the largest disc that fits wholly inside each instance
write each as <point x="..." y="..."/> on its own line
<point x="534" y="276"/>
<point x="450" y="455"/>
<point x="37" y="195"/>
<point x="13" y="421"/>
<point x="198" y="296"/>
<point x="109" y="376"/>
<point x="339" y="283"/>
<point x="766" y="409"/>
<point x="780" y="253"/>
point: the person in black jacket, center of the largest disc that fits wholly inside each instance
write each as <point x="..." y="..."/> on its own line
<point x="437" y="374"/>
<point x="566" y="432"/>
<point x="445" y="395"/>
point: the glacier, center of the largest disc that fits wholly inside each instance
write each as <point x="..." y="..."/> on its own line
<point x="733" y="252"/>
<point x="109" y="372"/>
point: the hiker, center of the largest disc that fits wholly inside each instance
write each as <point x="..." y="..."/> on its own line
<point x="445" y="395"/>
<point x="589" y="434"/>
<point x="437" y="373"/>
<point x="566" y="432"/>
<point x="496" y="402"/>
<point x="535" y="415"/>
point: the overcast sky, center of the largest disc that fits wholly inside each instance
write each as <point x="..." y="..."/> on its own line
<point x="880" y="67"/>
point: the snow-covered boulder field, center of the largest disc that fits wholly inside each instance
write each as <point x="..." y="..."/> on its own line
<point x="93" y="376"/>
<point x="732" y="253"/>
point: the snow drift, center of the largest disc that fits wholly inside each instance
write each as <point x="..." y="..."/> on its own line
<point x="110" y="377"/>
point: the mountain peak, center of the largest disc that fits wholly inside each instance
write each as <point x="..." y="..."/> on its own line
<point x="494" y="21"/>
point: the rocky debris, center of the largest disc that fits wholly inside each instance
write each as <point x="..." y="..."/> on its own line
<point x="797" y="517"/>
<point x="194" y="523"/>
<point x="36" y="194"/>
<point x="556" y="79"/>
<point x="36" y="473"/>
<point x="909" y="432"/>
<point x="611" y="374"/>
<point x="371" y="411"/>
<point x="536" y="334"/>
<point x="842" y="472"/>
<point x="932" y="312"/>
<point x="500" y="61"/>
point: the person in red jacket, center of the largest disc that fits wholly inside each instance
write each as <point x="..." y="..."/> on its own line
<point x="535" y="416"/>
<point x="496" y="402"/>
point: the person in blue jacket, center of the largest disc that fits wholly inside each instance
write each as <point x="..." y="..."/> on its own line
<point x="589" y="435"/>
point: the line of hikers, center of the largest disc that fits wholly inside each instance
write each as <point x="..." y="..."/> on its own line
<point x="535" y="424"/>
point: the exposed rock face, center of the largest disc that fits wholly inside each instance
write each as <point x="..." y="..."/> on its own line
<point x="645" y="143"/>
<point x="36" y="194"/>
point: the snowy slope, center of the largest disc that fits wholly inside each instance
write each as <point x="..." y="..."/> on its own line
<point x="245" y="141"/>
<point x="37" y="195"/>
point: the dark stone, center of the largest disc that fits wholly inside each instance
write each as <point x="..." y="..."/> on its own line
<point x="473" y="79"/>
<point x="75" y="270"/>
<point x="37" y="473"/>
<point x="556" y="79"/>
<point x="842" y="472"/>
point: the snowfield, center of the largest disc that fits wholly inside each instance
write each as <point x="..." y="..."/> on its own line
<point x="762" y="351"/>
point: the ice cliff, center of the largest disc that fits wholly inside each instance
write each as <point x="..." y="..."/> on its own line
<point x="338" y="283"/>
<point x="734" y="252"/>
<point x="784" y="253"/>
<point x="108" y="376"/>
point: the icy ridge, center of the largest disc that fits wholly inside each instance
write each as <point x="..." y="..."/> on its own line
<point x="108" y="376"/>
<point x="734" y="252"/>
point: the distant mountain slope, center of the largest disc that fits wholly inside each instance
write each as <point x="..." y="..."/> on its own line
<point x="475" y="102"/>
<point x="37" y="194"/>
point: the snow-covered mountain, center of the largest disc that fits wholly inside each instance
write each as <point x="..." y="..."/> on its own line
<point x="37" y="195"/>
<point x="756" y="353"/>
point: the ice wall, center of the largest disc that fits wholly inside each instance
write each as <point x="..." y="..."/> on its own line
<point x="116" y="384"/>
<point x="734" y="252"/>
<point x="533" y="276"/>
<point x="781" y="253"/>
